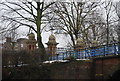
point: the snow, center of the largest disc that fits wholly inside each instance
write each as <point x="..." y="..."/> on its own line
<point x="82" y="59"/>
<point x="56" y="61"/>
<point x="62" y="60"/>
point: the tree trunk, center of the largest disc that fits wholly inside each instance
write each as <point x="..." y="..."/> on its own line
<point x="72" y="38"/>
<point x="76" y="36"/>
<point x="118" y="32"/>
<point x="39" y="37"/>
<point x="38" y="23"/>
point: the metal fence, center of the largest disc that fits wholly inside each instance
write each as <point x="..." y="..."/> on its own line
<point x="87" y="53"/>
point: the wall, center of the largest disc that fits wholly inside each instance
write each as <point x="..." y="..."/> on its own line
<point x="106" y="66"/>
<point x="98" y="68"/>
<point x="71" y="70"/>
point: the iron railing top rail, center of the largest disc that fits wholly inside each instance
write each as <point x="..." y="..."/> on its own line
<point x="91" y="52"/>
<point x="98" y="46"/>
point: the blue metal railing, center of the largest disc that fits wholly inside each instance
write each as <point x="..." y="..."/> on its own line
<point x="87" y="53"/>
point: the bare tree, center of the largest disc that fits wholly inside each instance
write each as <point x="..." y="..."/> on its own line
<point x="96" y="32"/>
<point x="73" y="18"/>
<point x="110" y="20"/>
<point x="24" y="13"/>
<point x="85" y="20"/>
<point x="117" y="7"/>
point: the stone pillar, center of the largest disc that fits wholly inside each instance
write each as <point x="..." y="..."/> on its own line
<point x="95" y="43"/>
<point x="79" y="44"/>
<point x="79" y="48"/>
<point x="52" y="46"/>
<point x="31" y="42"/>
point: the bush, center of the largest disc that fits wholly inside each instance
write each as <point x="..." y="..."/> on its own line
<point x="27" y="72"/>
<point x="39" y="53"/>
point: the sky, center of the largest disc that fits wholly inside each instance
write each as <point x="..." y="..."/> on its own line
<point x="22" y="31"/>
<point x="62" y="40"/>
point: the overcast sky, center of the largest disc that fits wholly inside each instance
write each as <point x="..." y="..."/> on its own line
<point x="62" y="40"/>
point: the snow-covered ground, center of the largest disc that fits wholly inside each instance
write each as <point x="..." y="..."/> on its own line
<point x="82" y="59"/>
<point x="17" y="65"/>
<point x="46" y="62"/>
<point x="62" y="60"/>
<point x="56" y="61"/>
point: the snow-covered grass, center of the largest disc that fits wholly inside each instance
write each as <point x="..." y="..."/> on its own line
<point x="56" y="61"/>
<point x="19" y="65"/>
<point x="82" y="59"/>
<point x="53" y="61"/>
<point x="62" y="60"/>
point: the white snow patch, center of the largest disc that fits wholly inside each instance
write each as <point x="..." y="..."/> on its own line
<point x="82" y="59"/>
<point x="56" y="61"/>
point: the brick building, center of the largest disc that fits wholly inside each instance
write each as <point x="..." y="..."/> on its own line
<point x="21" y="43"/>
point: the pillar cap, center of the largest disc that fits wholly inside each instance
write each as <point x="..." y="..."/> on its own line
<point x="95" y="43"/>
<point x="31" y="36"/>
<point x="51" y="37"/>
<point x="80" y="42"/>
<point x="52" y="40"/>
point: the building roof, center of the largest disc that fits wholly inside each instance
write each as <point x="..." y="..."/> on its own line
<point x="21" y="39"/>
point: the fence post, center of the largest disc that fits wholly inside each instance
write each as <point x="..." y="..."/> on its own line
<point x="76" y="53"/>
<point x="63" y="56"/>
<point x="80" y="53"/>
<point x="70" y="53"/>
<point x="104" y="50"/>
<point x="119" y="48"/>
<point x="107" y="50"/>
<point x="85" y="53"/>
<point x="92" y="52"/>
<point x="57" y="56"/>
<point x="115" y="51"/>
<point x="66" y="53"/>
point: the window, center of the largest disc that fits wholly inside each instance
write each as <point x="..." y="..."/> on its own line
<point x="29" y="47"/>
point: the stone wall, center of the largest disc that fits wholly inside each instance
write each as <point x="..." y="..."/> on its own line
<point x="98" y="68"/>
<point x="106" y="66"/>
<point x="71" y="70"/>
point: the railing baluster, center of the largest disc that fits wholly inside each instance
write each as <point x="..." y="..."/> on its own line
<point x="63" y="56"/>
<point x="118" y="48"/>
<point x="85" y="53"/>
<point x="104" y="51"/>
<point x="80" y="53"/>
<point x="115" y="52"/>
